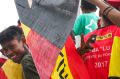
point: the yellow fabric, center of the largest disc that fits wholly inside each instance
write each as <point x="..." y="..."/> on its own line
<point x="56" y="73"/>
<point x="26" y="29"/>
<point x="12" y="70"/>
<point x="114" y="69"/>
<point x="109" y="35"/>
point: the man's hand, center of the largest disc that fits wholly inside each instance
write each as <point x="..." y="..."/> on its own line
<point x="85" y="47"/>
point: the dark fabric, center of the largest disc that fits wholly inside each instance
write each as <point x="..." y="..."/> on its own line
<point x="52" y="19"/>
<point x="29" y="68"/>
<point x="114" y="78"/>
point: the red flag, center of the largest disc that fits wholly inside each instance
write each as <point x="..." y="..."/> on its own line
<point x="2" y="74"/>
<point x="102" y="62"/>
<point x="69" y="64"/>
<point x="114" y="3"/>
<point x="50" y="23"/>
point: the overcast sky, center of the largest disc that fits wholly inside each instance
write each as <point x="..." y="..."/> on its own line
<point x="8" y="14"/>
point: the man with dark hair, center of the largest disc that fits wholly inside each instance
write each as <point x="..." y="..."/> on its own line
<point x="86" y="22"/>
<point x="14" y="47"/>
<point x="87" y="6"/>
<point x="111" y="14"/>
<point x="101" y="53"/>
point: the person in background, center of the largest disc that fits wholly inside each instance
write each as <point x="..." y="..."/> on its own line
<point x="86" y="22"/>
<point x="15" y="48"/>
<point x="100" y="48"/>
<point x="113" y="15"/>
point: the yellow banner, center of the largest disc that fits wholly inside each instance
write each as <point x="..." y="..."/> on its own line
<point x="114" y="69"/>
<point x="109" y="35"/>
<point x="12" y="70"/>
<point x="61" y="69"/>
<point x="26" y="29"/>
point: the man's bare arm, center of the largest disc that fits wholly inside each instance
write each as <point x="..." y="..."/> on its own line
<point x="113" y="15"/>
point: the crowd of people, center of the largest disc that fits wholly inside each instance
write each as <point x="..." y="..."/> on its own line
<point x="98" y="45"/>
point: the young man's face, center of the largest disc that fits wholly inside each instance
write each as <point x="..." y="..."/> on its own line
<point x="14" y="49"/>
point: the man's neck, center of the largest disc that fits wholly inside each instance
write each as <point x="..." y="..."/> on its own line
<point x="26" y="51"/>
<point x="88" y="11"/>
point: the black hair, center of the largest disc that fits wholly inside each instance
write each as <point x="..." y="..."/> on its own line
<point x="88" y="6"/>
<point x="19" y="23"/>
<point x="10" y="33"/>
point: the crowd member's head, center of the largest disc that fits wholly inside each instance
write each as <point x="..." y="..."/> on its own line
<point x="87" y="7"/>
<point x="13" y="43"/>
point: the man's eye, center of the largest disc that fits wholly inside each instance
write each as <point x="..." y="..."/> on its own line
<point x="11" y="48"/>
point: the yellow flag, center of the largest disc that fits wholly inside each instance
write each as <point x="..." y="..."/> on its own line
<point x="12" y="70"/>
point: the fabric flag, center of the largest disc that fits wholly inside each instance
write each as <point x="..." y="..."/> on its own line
<point x="2" y="61"/>
<point x="103" y="61"/>
<point x="2" y="74"/>
<point x="114" y="3"/>
<point x="12" y="70"/>
<point x="69" y="64"/>
<point x="48" y="23"/>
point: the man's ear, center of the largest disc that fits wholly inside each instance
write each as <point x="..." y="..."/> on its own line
<point x="23" y="39"/>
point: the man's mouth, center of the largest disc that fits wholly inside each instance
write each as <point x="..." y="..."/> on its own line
<point x="13" y="57"/>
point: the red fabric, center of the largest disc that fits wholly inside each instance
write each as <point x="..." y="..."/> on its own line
<point x="97" y="61"/>
<point x="75" y="62"/>
<point x="2" y="60"/>
<point x="44" y="59"/>
<point x="2" y="74"/>
<point x="114" y="3"/>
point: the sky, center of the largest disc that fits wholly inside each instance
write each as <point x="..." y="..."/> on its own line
<point x="8" y="14"/>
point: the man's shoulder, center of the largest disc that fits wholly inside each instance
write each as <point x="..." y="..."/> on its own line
<point x="29" y="67"/>
<point x="81" y="15"/>
<point x="27" y="59"/>
<point x="87" y="15"/>
<point x="110" y="28"/>
<point x="90" y="14"/>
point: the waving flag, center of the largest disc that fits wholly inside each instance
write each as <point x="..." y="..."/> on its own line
<point x="46" y="24"/>
<point x="12" y="70"/>
<point x="69" y="64"/>
<point x="103" y="61"/>
<point x="2" y="74"/>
